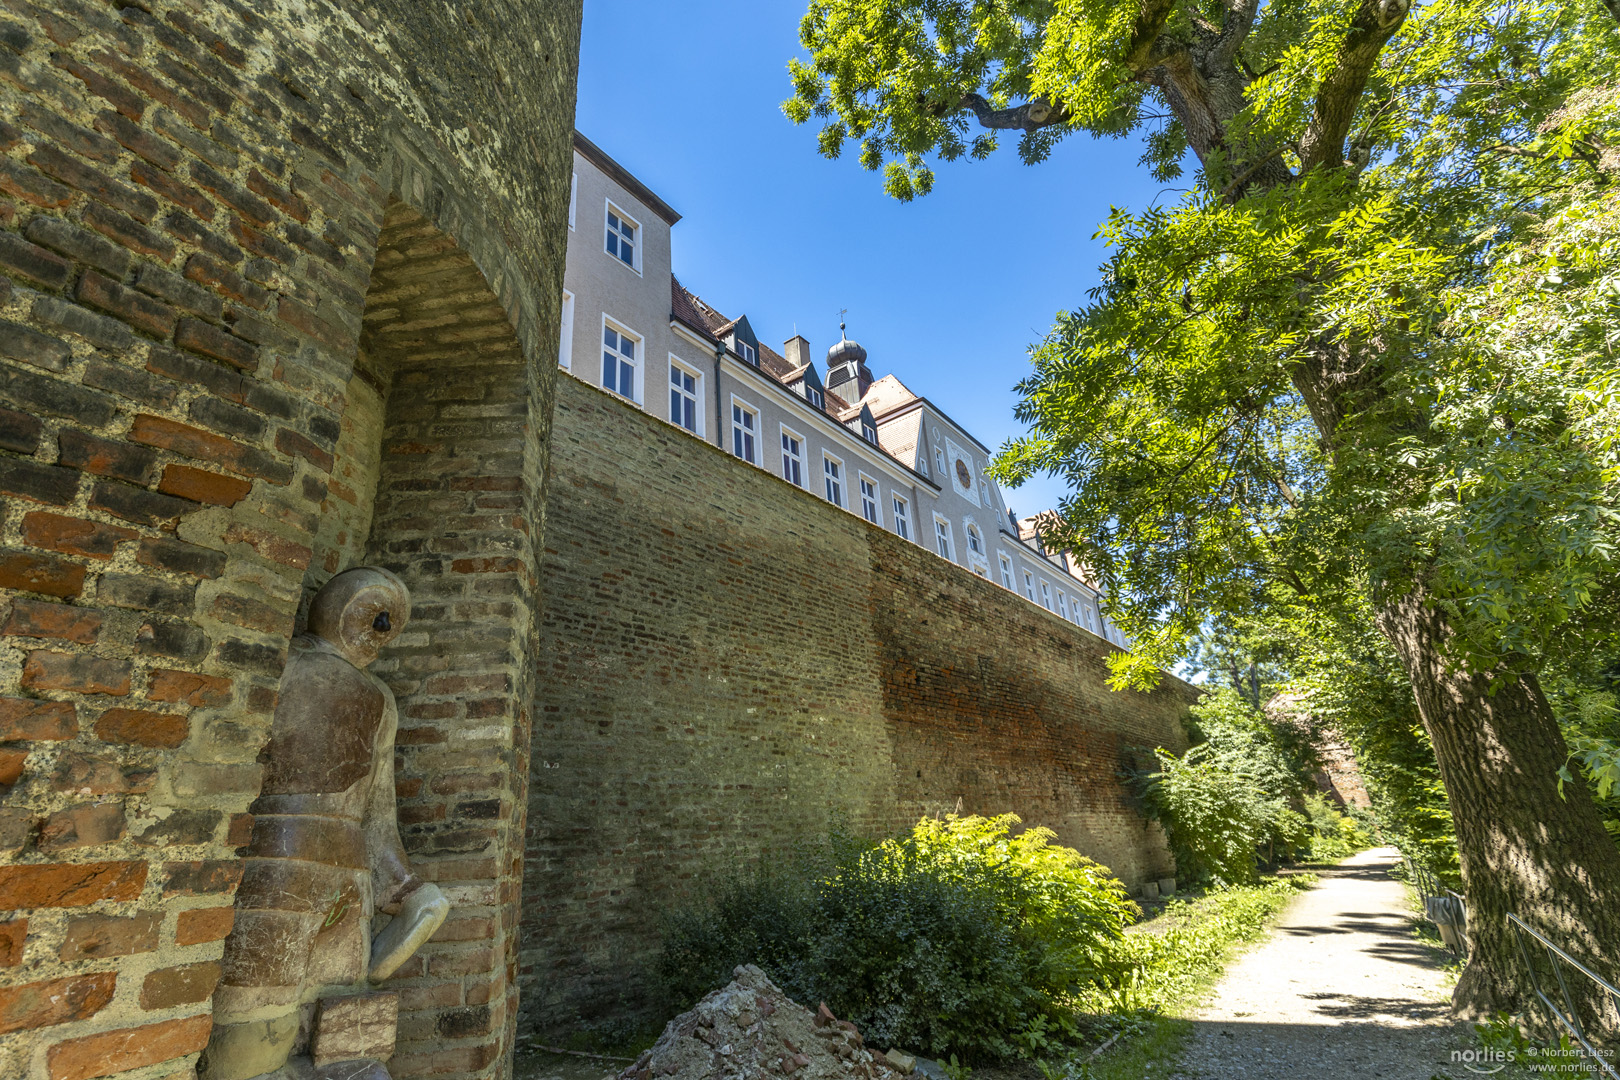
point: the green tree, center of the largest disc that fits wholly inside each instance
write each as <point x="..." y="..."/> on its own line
<point x="1314" y="372"/>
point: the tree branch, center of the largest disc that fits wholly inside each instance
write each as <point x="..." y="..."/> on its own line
<point x="1026" y="117"/>
<point x="1145" y="50"/>
<point x="1374" y="23"/>
<point x="1240" y="16"/>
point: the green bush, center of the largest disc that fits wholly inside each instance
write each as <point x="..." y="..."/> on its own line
<point x="959" y="937"/>
<point x="1334" y="835"/>
<point x="1212" y="817"/>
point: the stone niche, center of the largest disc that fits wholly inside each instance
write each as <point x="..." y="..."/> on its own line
<point x="279" y="294"/>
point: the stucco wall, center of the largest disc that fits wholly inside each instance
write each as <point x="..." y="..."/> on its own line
<point x="729" y="664"/>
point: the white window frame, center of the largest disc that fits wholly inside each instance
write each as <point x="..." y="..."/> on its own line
<point x="639" y="363"/>
<point x="565" y="335"/>
<point x="636" y="245"/>
<point x="697" y="394"/>
<point x="834" y="479"/>
<point x="739" y="404"/>
<point x="876" y="501"/>
<point x="1029" y="587"/>
<point x="975" y="540"/>
<point x="1046" y="595"/>
<point x="1063" y="606"/>
<point x="1006" y="570"/>
<point x="939" y="462"/>
<point x="901" y="506"/>
<point x="869" y="432"/>
<point x="813" y="396"/>
<point x="573" y="203"/>
<point x="797" y="459"/>
<point x="944" y="538"/>
<point x="746" y="351"/>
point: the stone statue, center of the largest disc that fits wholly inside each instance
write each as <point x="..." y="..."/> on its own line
<point x="325" y="856"/>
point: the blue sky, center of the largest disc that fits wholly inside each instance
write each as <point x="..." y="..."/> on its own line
<point x="947" y="292"/>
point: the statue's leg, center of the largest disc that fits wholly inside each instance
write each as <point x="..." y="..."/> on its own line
<point x="256" y="1003"/>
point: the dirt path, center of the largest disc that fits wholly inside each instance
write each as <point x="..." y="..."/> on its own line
<point x="1341" y="989"/>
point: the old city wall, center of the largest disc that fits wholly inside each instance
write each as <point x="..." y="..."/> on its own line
<point x="199" y="202"/>
<point x="729" y="665"/>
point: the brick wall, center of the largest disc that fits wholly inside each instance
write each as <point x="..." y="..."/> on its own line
<point x="728" y="663"/>
<point x="192" y="198"/>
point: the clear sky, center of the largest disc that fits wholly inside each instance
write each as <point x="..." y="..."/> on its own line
<point x="946" y="292"/>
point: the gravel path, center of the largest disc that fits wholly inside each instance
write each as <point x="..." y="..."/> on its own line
<point x="1341" y="989"/>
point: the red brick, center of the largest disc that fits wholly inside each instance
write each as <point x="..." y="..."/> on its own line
<point x="200" y="925"/>
<point x="46" y="574"/>
<point x="167" y="186"/>
<point x="211" y="341"/>
<point x="184" y="984"/>
<point x="119" y="96"/>
<point x="35" y="618"/>
<point x="241" y="830"/>
<point x="31" y="719"/>
<point x="93" y="182"/>
<point x="293" y="444"/>
<point x="12" y="763"/>
<point x="105" y="457"/>
<point x="138" y="139"/>
<point x="278" y="196"/>
<point x="201" y="878"/>
<point x="12" y="936"/>
<point x="203" y="486"/>
<point x="74" y="536"/>
<point x="86" y="825"/>
<point x="253" y="614"/>
<point x="34" y="262"/>
<point x="136" y="309"/>
<point x="275" y="548"/>
<point x="54" y="1001"/>
<point x="62" y="885"/>
<point x="129" y="234"/>
<point x="97" y="937"/>
<point x="304" y="321"/>
<point x="189" y="687"/>
<point x="196" y="443"/>
<point x="141" y="728"/>
<point x="79" y="673"/>
<point x="129" y="1048"/>
<point x="206" y="270"/>
<point x="30" y="186"/>
<point x="493" y="565"/>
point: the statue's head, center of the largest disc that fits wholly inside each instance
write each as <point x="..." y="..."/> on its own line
<point x="359" y="611"/>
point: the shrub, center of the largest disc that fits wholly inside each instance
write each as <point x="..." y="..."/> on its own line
<point x="1334" y="835"/>
<point x="1213" y="818"/>
<point x="959" y="937"/>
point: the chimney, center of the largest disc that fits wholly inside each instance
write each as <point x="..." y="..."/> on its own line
<point x="797" y="351"/>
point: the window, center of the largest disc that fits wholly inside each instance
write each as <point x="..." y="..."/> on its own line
<point x="1046" y="596"/>
<point x="792" y="458"/>
<point x="1091" y="619"/>
<point x="942" y="537"/>
<point x="1063" y="606"/>
<point x="869" y="433"/>
<point x="832" y="471"/>
<point x="746" y="351"/>
<point x="621" y="237"/>
<point x="1006" y="570"/>
<point x="902" y="518"/>
<point x="744" y="429"/>
<point x="869" y="499"/>
<point x="683" y="398"/>
<point x="573" y="198"/>
<point x="975" y="544"/>
<point x="565" y="342"/>
<point x="939" y="460"/>
<point x="813" y="395"/>
<point x="1029" y="585"/>
<point x="618" y="362"/>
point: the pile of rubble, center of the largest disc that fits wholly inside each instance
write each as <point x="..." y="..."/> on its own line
<point x="750" y="1028"/>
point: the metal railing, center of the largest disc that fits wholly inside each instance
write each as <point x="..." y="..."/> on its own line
<point x="1556" y="962"/>
<point x="1442" y="906"/>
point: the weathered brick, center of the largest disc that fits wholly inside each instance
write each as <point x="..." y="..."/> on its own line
<point x="12" y="762"/>
<point x="31" y="186"/>
<point x="223" y="416"/>
<point x="33" y="262"/>
<point x="145" y="593"/>
<point x="277" y="549"/>
<point x="141" y="312"/>
<point x="19" y="431"/>
<point x="140" y="727"/>
<point x="104" y="457"/>
<point x="139" y="505"/>
<point x="201" y="878"/>
<point x="172" y="638"/>
<point x="203" y="486"/>
<point x="88" y="825"/>
<point x="64" y="885"/>
<point x="120" y="97"/>
<point x="253" y="614"/>
<point x="63" y="622"/>
<point x="98" y="330"/>
<point x="88" y="774"/>
<point x="54" y="1001"/>
<point x="182" y="827"/>
<point x="184" y="984"/>
<point x="66" y="134"/>
<point x="78" y="673"/>
<point x="138" y="139"/>
<point x="73" y="536"/>
<point x="293" y="444"/>
<point x="167" y="285"/>
<point x="212" y="341"/>
<point x="32" y="347"/>
<point x="40" y="393"/>
<point x="98" y="937"/>
<point x="179" y="557"/>
<point x="206" y="446"/>
<point x="128" y="1048"/>
<point x="29" y="719"/>
<point x="200" y="925"/>
<point x="256" y="210"/>
<point x="31" y="572"/>
<point x="176" y="192"/>
<point x="187" y="228"/>
<point x="129" y="234"/>
<point x="49" y="484"/>
<point x="13" y="934"/>
<point x="127" y="382"/>
<point x="189" y="687"/>
<point x="94" y="183"/>
<point x="76" y="243"/>
<point x="215" y="274"/>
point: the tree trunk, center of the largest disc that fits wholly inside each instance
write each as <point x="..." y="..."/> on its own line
<point x="1525" y="848"/>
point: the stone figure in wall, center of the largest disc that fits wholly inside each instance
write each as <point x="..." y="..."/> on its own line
<point x="324" y="858"/>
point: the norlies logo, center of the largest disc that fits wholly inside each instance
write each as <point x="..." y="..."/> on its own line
<point x="1483" y="1061"/>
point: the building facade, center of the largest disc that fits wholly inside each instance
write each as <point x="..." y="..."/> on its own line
<point x="867" y="445"/>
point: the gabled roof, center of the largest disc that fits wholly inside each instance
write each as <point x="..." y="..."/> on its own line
<point x="622" y="176"/>
<point x="691" y="312"/>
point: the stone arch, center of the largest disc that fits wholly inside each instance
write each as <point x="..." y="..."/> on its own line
<point x="438" y="475"/>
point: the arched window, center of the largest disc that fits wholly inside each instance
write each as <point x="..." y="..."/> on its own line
<point x="974" y="543"/>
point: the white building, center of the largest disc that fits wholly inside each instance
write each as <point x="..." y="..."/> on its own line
<point x="869" y="446"/>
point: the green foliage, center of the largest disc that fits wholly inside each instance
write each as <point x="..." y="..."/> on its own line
<point x="958" y="937"/>
<point x="1333" y="835"/>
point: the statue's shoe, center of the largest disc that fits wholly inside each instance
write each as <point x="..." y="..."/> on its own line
<point x="420" y="916"/>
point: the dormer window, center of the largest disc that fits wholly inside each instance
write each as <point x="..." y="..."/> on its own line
<point x="746" y="351"/>
<point x="869" y="433"/>
<point x="621" y="237"/>
<point x="813" y="395"/>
